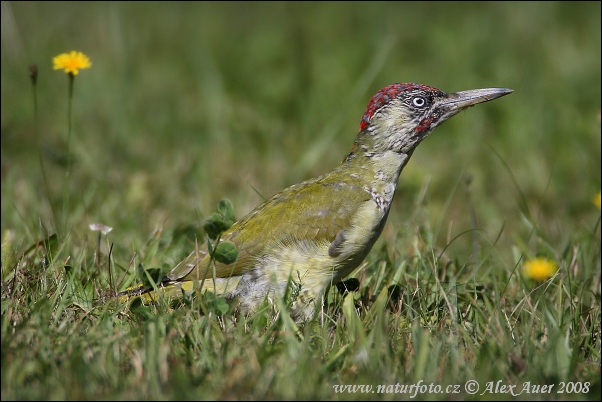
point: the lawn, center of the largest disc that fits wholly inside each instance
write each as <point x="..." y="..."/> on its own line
<point x="186" y="104"/>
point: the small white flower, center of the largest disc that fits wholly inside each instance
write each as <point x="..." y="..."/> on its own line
<point x="100" y="227"/>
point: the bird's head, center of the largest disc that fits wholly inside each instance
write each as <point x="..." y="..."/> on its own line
<point x="400" y="116"/>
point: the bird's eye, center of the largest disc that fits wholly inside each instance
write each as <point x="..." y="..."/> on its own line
<point x="419" y="101"/>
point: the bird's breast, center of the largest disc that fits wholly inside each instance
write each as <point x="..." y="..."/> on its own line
<point x="313" y="263"/>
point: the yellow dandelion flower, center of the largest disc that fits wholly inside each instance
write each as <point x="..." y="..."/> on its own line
<point x="71" y="62"/>
<point x="597" y="200"/>
<point x="539" y="269"/>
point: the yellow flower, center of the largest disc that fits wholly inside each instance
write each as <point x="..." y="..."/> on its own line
<point x="71" y="62"/>
<point x="597" y="200"/>
<point x="539" y="269"/>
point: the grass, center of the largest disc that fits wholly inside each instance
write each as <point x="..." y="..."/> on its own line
<point x="187" y="104"/>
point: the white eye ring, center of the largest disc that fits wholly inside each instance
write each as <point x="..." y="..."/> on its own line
<point x="419" y="101"/>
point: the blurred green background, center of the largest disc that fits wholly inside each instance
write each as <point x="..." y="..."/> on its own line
<point x="188" y="103"/>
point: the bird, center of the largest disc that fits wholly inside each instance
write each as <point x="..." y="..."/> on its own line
<point x="313" y="234"/>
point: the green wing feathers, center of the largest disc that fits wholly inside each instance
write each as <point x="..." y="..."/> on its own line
<point x="319" y="213"/>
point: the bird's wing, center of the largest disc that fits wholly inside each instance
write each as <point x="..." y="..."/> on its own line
<point x="320" y="210"/>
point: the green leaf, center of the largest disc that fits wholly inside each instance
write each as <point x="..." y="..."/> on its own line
<point x="139" y="309"/>
<point x="217" y="305"/>
<point x="156" y="274"/>
<point x="141" y="271"/>
<point x="213" y="303"/>
<point x="136" y="303"/>
<point x="226" y="253"/>
<point x="221" y="220"/>
<point x="355" y="329"/>
<point x="51" y="244"/>
<point x="221" y="305"/>
<point x="147" y="275"/>
<point x="215" y="225"/>
<point x="226" y="209"/>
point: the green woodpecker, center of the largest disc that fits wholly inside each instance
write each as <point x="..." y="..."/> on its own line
<point x="314" y="233"/>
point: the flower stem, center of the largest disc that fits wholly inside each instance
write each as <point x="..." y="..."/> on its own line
<point x="67" y="183"/>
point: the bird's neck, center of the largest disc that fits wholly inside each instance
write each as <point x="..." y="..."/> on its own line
<point x="375" y="168"/>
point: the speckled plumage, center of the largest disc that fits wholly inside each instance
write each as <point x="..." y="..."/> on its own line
<point x="316" y="232"/>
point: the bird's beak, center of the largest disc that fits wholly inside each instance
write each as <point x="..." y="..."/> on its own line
<point x="456" y="102"/>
